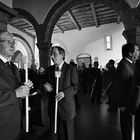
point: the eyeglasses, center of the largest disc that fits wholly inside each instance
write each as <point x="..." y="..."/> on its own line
<point x="12" y="43"/>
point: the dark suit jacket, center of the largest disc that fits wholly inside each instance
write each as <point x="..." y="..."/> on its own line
<point x="123" y="82"/>
<point x="10" y="116"/>
<point x="134" y="103"/>
<point x="68" y="83"/>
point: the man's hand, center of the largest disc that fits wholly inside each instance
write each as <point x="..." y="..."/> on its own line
<point x="59" y="96"/>
<point x="48" y="87"/>
<point x="29" y="84"/>
<point x="24" y="90"/>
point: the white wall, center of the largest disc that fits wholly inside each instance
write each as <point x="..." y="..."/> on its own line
<point x="9" y="3"/>
<point x="91" y="40"/>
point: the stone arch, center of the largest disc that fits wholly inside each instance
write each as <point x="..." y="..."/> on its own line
<point x="28" y="17"/>
<point x="27" y="48"/>
<point x="15" y="55"/>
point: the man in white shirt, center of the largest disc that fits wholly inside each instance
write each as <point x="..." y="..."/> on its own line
<point x="68" y="87"/>
<point x="10" y="90"/>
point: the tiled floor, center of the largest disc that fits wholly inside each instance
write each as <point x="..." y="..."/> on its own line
<point x="93" y="122"/>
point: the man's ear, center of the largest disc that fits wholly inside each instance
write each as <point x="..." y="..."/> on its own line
<point x="62" y="55"/>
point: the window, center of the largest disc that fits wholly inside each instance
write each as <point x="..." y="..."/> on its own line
<point x="108" y="42"/>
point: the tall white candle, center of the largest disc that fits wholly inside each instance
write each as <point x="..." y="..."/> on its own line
<point x="57" y="75"/>
<point x="25" y="60"/>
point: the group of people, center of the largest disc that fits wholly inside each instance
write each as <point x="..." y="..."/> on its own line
<point x="91" y="81"/>
<point x="122" y="84"/>
<point x="62" y="78"/>
<point x="123" y="90"/>
<point x="12" y="91"/>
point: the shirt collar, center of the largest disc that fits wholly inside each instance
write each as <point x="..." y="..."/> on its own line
<point x="3" y="59"/>
<point x="129" y="60"/>
<point x="60" y="66"/>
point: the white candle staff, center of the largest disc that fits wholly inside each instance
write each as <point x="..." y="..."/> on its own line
<point x="133" y="128"/>
<point x="92" y="88"/>
<point x="57" y="75"/>
<point x="25" y="60"/>
<point x="104" y="93"/>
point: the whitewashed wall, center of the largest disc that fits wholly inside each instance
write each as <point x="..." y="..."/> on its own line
<point x="91" y="40"/>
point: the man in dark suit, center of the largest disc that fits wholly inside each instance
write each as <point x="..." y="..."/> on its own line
<point x="98" y="79"/>
<point x="68" y="87"/>
<point x="10" y="90"/>
<point x="122" y="86"/>
<point x="134" y="104"/>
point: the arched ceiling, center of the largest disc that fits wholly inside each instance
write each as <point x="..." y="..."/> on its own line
<point x="86" y="15"/>
<point x="79" y="16"/>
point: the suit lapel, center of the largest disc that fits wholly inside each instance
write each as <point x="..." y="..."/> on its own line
<point x="63" y="70"/>
<point x="4" y="67"/>
<point x="9" y="72"/>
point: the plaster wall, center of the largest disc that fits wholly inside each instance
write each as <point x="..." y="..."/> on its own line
<point x="9" y="3"/>
<point x="91" y="40"/>
<point x="37" y="8"/>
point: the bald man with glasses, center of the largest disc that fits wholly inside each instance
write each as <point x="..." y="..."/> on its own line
<point x="11" y="90"/>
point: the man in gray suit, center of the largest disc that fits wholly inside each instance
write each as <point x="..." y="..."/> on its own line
<point x="123" y="84"/>
<point x="68" y="87"/>
<point x="11" y="90"/>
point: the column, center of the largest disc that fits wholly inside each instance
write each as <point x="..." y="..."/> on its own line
<point x="44" y="48"/>
<point x="132" y="35"/>
<point x="3" y="21"/>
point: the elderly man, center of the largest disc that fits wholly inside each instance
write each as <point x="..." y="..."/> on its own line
<point x="68" y="87"/>
<point x="10" y="90"/>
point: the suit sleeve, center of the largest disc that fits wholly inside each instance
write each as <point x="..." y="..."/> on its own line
<point x="7" y="88"/>
<point x="7" y="97"/>
<point x="135" y="92"/>
<point x="74" y="84"/>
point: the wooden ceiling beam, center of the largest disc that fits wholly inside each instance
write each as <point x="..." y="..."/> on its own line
<point x="94" y="14"/>
<point x="25" y="26"/>
<point x="72" y="17"/>
<point x="27" y="33"/>
<point x="58" y="27"/>
<point x="19" y="23"/>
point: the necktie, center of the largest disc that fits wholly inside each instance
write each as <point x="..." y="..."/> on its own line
<point x="57" y="68"/>
<point x="8" y="63"/>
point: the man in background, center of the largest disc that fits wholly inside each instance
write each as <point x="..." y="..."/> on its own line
<point x="134" y="104"/>
<point x="123" y="84"/>
<point x="97" y="84"/>
<point x="10" y="90"/>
